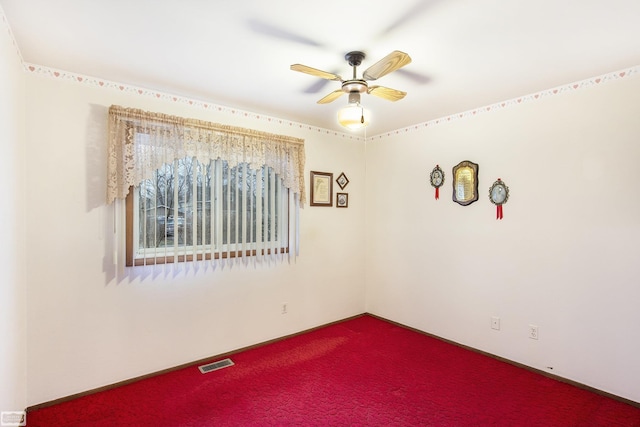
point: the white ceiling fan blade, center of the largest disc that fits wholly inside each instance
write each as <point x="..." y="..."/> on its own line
<point x="389" y="63"/>
<point x="386" y="93"/>
<point x="331" y="97"/>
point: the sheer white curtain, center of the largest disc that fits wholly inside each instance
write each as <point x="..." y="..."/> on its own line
<point x="132" y="160"/>
<point x="144" y="144"/>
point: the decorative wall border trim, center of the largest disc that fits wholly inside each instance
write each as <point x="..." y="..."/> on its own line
<point x="571" y="87"/>
<point x="149" y="93"/>
<point x="96" y="82"/>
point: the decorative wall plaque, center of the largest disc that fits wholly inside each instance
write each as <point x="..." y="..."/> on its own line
<point x="499" y="194"/>
<point x="437" y="179"/>
<point x="342" y="181"/>
<point x="465" y="183"/>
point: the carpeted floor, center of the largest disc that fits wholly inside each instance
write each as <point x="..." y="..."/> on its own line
<point x="361" y="372"/>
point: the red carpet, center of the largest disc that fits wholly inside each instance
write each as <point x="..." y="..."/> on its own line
<point x="361" y="372"/>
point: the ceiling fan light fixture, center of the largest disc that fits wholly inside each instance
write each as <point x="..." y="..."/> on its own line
<point x="353" y="116"/>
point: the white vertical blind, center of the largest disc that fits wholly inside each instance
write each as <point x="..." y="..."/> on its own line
<point x="246" y="214"/>
<point x="272" y="217"/>
<point x="259" y="218"/>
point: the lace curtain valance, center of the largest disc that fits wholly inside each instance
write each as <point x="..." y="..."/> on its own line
<point x="141" y="142"/>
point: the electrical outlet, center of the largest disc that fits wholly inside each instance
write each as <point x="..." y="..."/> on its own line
<point x="495" y="323"/>
<point x="284" y="308"/>
<point x="533" y="332"/>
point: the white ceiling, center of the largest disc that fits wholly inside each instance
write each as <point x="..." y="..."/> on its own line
<point x="237" y="53"/>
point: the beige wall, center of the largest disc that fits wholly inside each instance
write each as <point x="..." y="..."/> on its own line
<point x="12" y="258"/>
<point x="565" y="257"/>
<point x="88" y="329"/>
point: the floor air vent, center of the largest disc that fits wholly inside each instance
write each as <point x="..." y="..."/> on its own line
<point x="210" y="367"/>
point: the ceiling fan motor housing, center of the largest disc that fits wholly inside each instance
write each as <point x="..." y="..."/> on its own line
<point x="355" y="86"/>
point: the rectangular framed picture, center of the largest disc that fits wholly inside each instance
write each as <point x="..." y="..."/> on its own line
<point x="342" y="200"/>
<point x="321" y="189"/>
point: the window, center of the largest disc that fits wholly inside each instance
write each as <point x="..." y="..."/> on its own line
<point x="193" y="211"/>
<point x="200" y="191"/>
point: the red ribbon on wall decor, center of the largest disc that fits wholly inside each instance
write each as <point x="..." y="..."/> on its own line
<point x="437" y="179"/>
<point x="499" y="194"/>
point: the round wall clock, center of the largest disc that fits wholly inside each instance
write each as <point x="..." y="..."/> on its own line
<point x="437" y="179"/>
<point x="499" y="194"/>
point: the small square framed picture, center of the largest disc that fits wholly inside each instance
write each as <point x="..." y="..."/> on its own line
<point x="342" y="200"/>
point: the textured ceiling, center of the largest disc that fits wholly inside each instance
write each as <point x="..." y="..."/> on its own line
<point x="466" y="53"/>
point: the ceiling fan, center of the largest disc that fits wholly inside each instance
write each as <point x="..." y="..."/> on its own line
<point x="355" y="86"/>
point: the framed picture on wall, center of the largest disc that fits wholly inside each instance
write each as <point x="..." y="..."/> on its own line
<point x="321" y="189"/>
<point x="465" y="183"/>
<point x="342" y="181"/>
<point x="342" y="200"/>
